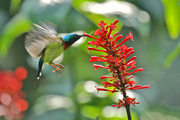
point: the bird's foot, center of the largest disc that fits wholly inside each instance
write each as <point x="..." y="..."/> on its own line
<point x="58" y="68"/>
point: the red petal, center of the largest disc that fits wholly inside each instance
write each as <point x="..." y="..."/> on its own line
<point x="129" y="100"/>
<point x="112" y="26"/>
<point x="130" y="36"/>
<point x="133" y="103"/>
<point x="91" y="48"/>
<point x="133" y="67"/>
<point x="137" y="70"/>
<point x="96" y="59"/>
<point x="132" y="63"/>
<point x="139" y="87"/>
<point x="131" y="83"/>
<point x="105" y="83"/>
<point x="99" y="66"/>
<point x="87" y="35"/>
<point x="97" y="32"/>
<point x="103" y="89"/>
<point x="129" y="53"/>
<point x="118" y="106"/>
<point x="89" y="42"/>
<point x="128" y="50"/>
<point x="131" y="76"/>
<point x="134" y="57"/>
<point x="102" y="24"/>
<point x="116" y="21"/>
<point x="113" y="105"/>
<point x="103" y="77"/>
<point x="115" y="34"/>
<point x="117" y="38"/>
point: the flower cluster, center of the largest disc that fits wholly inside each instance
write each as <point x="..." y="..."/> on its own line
<point x="119" y="63"/>
<point x="12" y="99"/>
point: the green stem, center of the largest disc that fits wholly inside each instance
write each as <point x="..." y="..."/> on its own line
<point x="124" y="96"/>
<point x="127" y="107"/>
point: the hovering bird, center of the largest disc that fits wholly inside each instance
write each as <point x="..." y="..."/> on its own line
<point x="43" y="42"/>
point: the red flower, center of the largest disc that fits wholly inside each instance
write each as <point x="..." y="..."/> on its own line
<point x="12" y="99"/>
<point x="21" y="73"/>
<point x="23" y="104"/>
<point x="129" y="100"/>
<point x="119" y="63"/>
<point x="97" y="32"/>
<point x="131" y="83"/>
<point x="102" y="24"/>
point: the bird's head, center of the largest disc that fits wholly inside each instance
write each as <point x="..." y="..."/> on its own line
<point x="69" y="39"/>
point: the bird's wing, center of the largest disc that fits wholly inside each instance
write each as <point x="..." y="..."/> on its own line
<point x="38" y="38"/>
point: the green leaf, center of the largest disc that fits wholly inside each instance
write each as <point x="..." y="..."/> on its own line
<point x="172" y="56"/>
<point x="172" y="17"/>
<point x="18" y="25"/>
<point x="14" y="7"/>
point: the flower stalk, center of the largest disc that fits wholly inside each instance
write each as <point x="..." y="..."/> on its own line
<point x="119" y="63"/>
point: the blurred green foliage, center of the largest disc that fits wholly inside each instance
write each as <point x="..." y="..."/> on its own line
<point x="172" y="18"/>
<point x="73" y="96"/>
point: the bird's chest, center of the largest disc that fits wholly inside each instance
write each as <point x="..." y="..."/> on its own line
<point x="52" y="51"/>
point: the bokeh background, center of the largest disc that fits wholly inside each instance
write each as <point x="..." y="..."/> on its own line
<point x="155" y="25"/>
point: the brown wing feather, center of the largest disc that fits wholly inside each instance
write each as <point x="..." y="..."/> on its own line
<point x="38" y="38"/>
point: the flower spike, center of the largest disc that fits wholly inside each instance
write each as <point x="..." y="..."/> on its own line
<point x="115" y="55"/>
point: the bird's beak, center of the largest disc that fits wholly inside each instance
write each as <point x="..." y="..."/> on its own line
<point x="81" y="35"/>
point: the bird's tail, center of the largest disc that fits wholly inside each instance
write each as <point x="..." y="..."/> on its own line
<point x="39" y="69"/>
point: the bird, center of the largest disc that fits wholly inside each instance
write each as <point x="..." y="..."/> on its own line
<point x="43" y="41"/>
